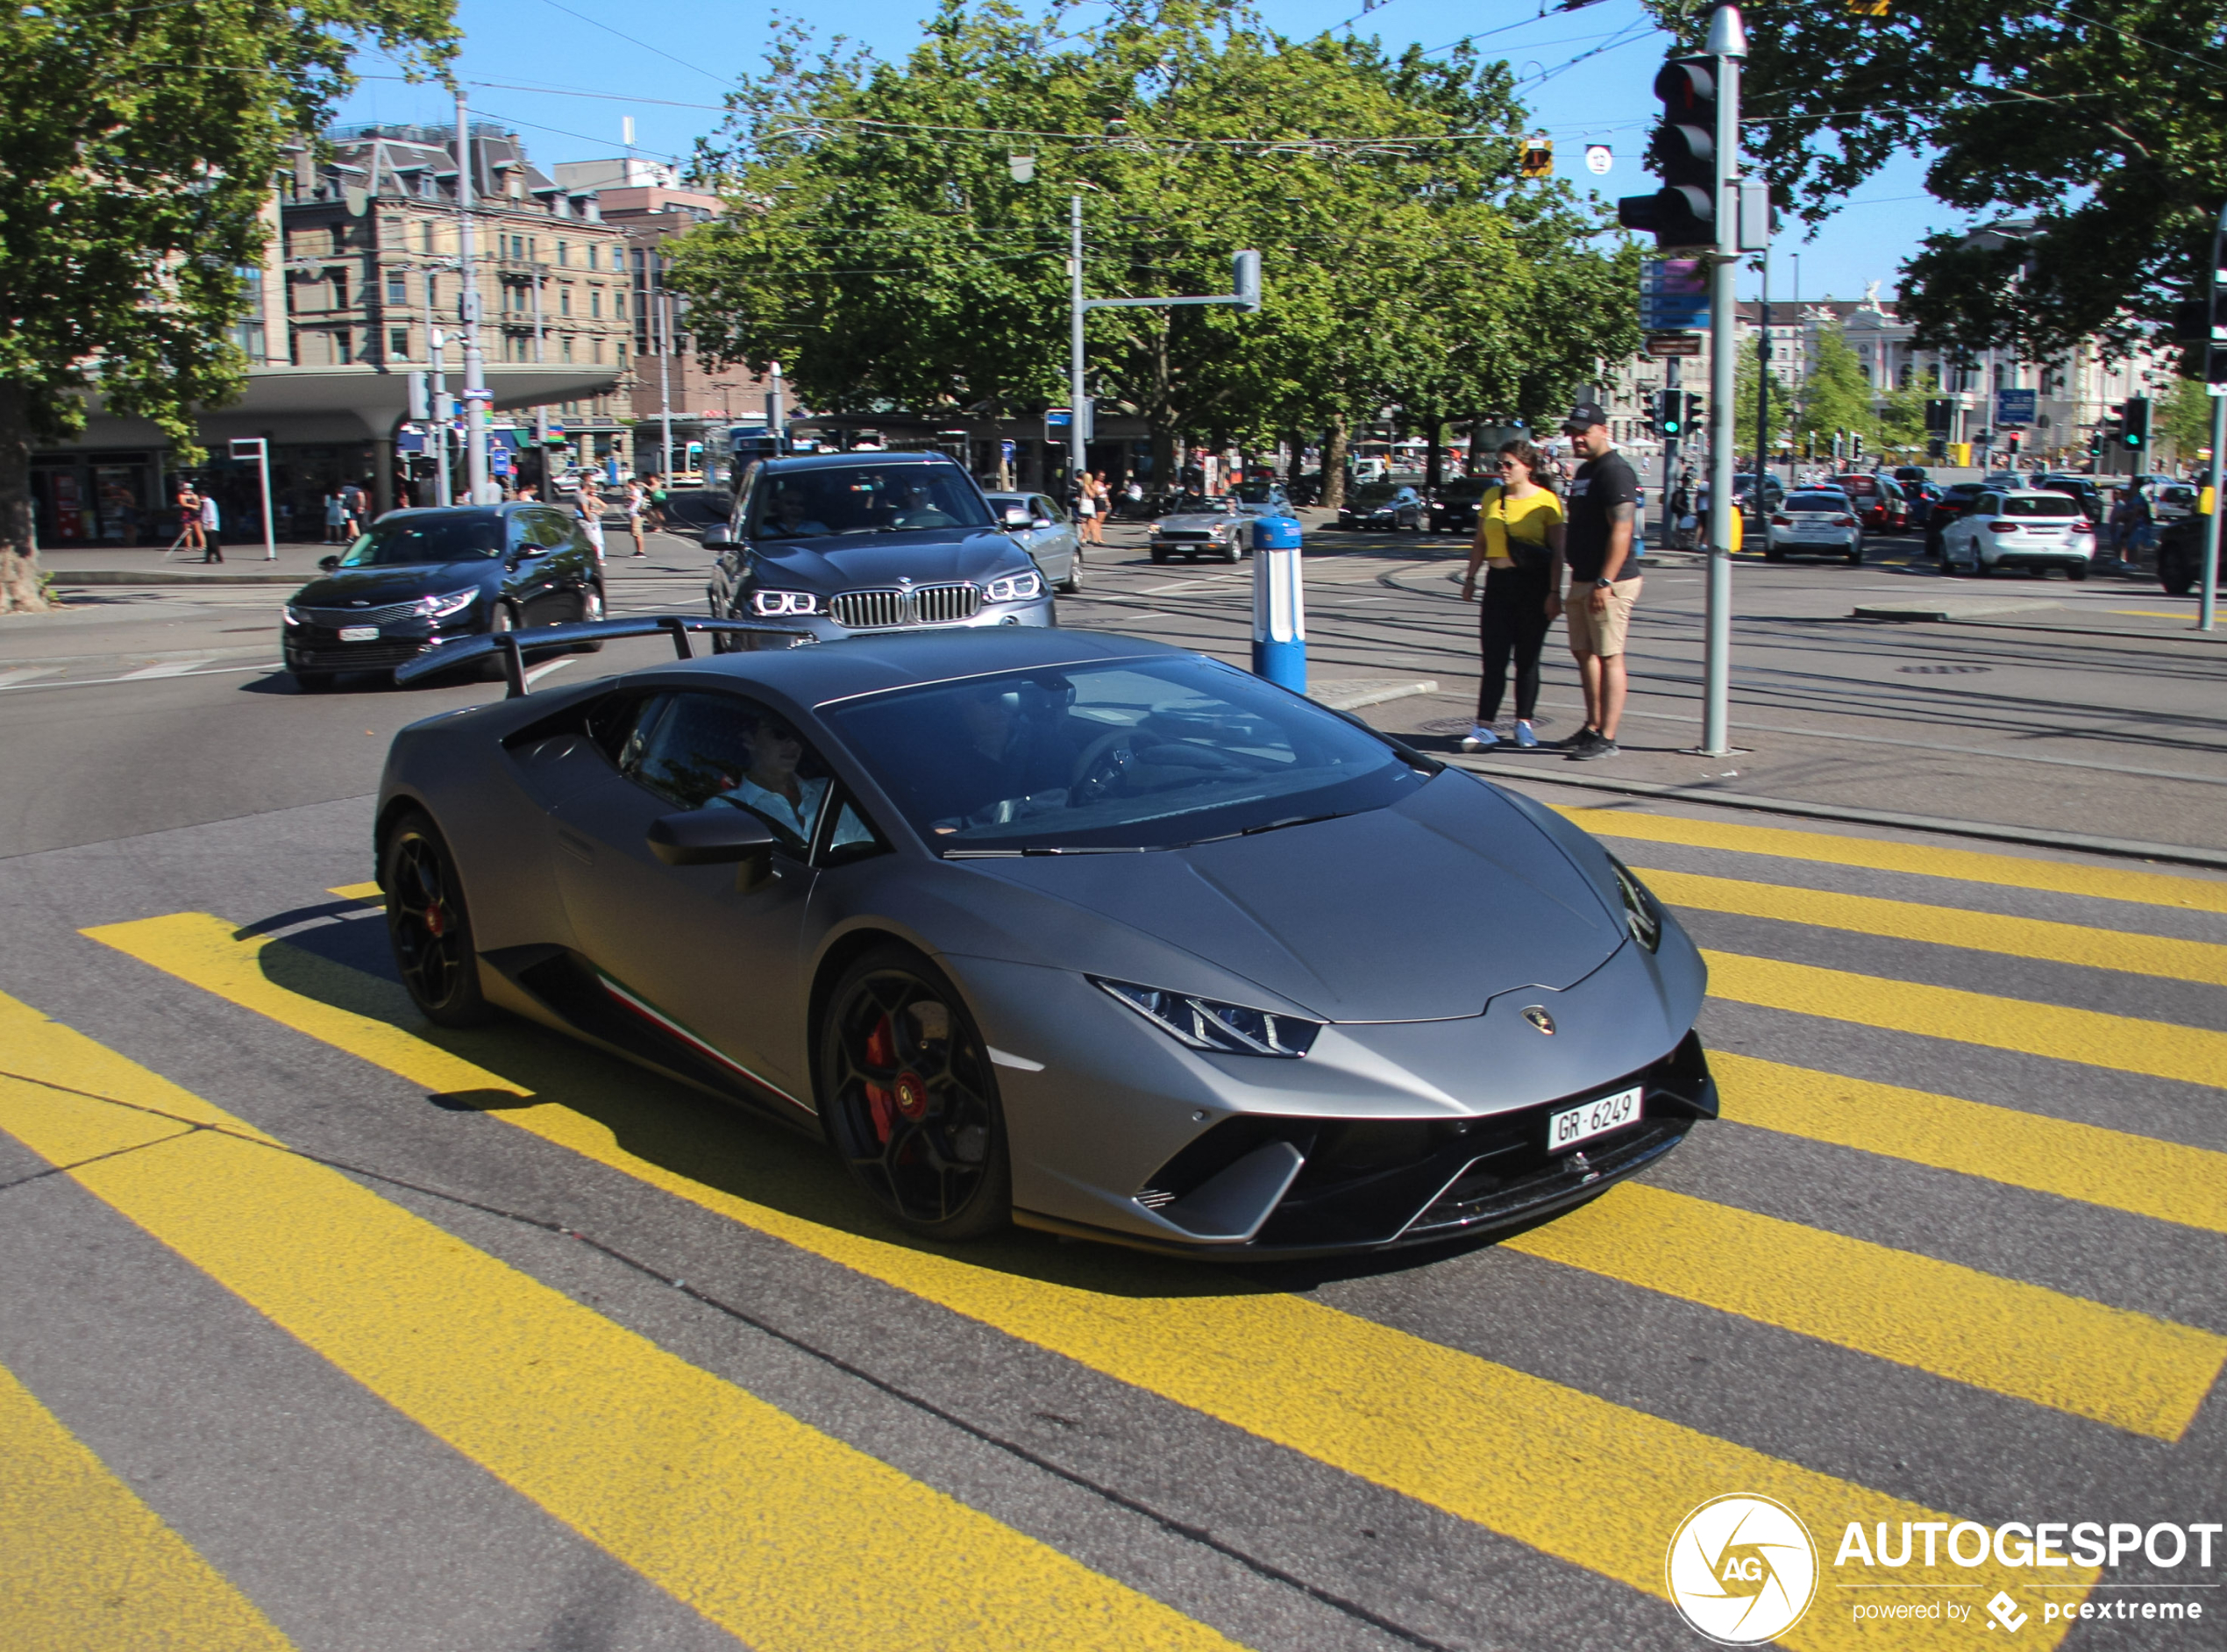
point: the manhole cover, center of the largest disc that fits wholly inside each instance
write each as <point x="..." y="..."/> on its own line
<point x="1941" y="671"/>
<point x="1505" y="727"/>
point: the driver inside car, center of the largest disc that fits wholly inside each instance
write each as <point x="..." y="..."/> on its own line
<point x="791" y="518"/>
<point x="916" y="508"/>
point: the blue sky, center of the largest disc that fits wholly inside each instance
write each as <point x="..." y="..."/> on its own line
<point x="565" y="75"/>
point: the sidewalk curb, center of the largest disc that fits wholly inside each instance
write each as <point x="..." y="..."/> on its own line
<point x="2034" y="836"/>
<point x="128" y="576"/>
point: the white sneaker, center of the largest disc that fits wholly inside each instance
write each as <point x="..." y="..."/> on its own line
<point x="1478" y="738"/>
<point x="1525" y="739"/>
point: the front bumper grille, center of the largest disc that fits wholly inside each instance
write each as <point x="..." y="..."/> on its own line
<point x="1370" y="1183"/>
<point x="333" y="618"/>
<point x="328" y="654"/>
<point x="952" y="604"/>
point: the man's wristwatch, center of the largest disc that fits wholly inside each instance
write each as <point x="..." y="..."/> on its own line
<point x="1603" y="583"/>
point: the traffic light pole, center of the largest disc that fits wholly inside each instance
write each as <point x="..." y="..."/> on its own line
<point x="1726" y="46"/>
<point x="1673" y="394"/>
<point x="2215" y="372"/>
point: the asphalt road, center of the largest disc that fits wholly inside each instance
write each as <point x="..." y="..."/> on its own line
<point x="324" y="1329"/>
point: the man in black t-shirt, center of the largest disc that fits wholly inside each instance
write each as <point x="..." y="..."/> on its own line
<point x="1601" y="545"/>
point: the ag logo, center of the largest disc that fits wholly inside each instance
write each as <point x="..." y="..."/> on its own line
<point x="1743" y="1569"/>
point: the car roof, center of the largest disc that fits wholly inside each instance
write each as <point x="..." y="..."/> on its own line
<point x="821" y="673"/>
<point x="2030" y="492"/>
<point x="865" y="456"/>
<point x="484" y="512"/>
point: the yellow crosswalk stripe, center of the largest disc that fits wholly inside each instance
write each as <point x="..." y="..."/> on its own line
<point x="2075" y="943"/>
<point x="2164" y="1180"/>
<point x="785" y="1536"/>
<point x="2194" y="1055"/>
<point x="85" y="1566"/>
<point x="356" y="890"/>
<point x="2016" y="872"/>
<point x="1593" y="1483"/>
<point x="2145" y="1374"/>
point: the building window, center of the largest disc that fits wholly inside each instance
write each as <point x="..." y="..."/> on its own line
<point x="397" y="288"/>
<point x="340" y="237"/>
<point x="618" y="302"/>
<point x="566" y="345"/>
<point x="595" y="303"/>
<point x="564" y="301"/>
<point x="425" y="230"/>
<point x="340" y="290"/>
<point x="621" y="352"/>
<point x="344" y="346"/>
<point x="563" y="255"/>
<point x="599" y="349"/>
<point x="591" y="251"/>
<point x="398" y="344"/>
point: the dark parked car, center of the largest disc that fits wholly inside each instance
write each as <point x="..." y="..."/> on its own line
<point x="421" y="578"/>
<point x="834" y="544"/>
<point x="1385" y="507"/>
<point x="1062" y="928"/>
<point x="2080" y="488"/>
<point x="1907" y="474"/>
<point x="1454" y="511"/>
<point x="1956" y="499"/>
<point x="1744" y="491"/>
<point x="1879" y="499"/>
<point x="2180" y="556"/>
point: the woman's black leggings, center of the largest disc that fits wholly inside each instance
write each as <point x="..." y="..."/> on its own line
<point x="1513" y="618"/>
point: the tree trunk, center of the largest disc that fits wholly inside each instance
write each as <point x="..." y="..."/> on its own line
<point x="1434" y="459"/>
<point x="1294" y="444"/>
<point x="19" y="573"/>
<point x="1339" y="439"/>
<point x="1476" y="466"/>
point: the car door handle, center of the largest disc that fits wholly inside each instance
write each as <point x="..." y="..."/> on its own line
<point x="573" y="844"/>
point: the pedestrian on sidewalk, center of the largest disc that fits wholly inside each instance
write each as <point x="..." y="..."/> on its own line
<point x="587" y="505"/>
<point x="212" y="539"/>
<point x="637" y="503"/>
<point x="1603" y="552"/>
<point x="336" y="517"/>
<point x="354" y="507"/>
<point x="190" y="534"/>
<point x="1520" y="542"/>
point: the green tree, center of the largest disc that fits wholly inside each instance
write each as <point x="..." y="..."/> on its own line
<point x="1902" y="418"/>
<point x="142" y="141"/>
<point x="1836" y="396"/>
<point x="886" y="247"/>
<point x="1746" y="385"/>
<point x="2184" y="416"/>
<point x="2105" y="125"/>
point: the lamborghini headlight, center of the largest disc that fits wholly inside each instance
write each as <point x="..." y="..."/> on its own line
<point x="1205" y="1024"/>
<point x="1641" y="914"/>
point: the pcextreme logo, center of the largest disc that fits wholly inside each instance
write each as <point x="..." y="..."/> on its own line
<point x="1741" y="1569"/>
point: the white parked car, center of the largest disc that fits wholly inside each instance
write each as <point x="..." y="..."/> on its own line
<point x="1815" y="522"/>
<point x="2037" y="532"/>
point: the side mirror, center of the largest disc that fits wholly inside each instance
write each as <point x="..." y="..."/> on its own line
<point x="1017" y="516"/>
<point x="709" y="837"/>
<point x="328" y="562"/>
<point x="1042" y="522"/>
<point x="718" y="537"/>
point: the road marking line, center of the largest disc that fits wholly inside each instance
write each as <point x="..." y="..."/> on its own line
<point x="2147" y="613"/>
<point x="358" y="892"/>
<point x="1445" y="1427"/>
<point x="172" y="668"/>
<point x="1969" y="865"/>
<point x="780" y="1534"/>
<point x="2075" y="943"/>
<point x="2193" y="1055"/>
<point x="2139" y="1174"/>
<point x="543" y="670"/>
<point x="2146" y="1375"/>
<point x="10" y="679"/>
<point x="91" y="1568"/>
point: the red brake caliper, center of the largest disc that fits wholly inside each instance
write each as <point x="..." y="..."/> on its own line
<point x="881" y="1051"/>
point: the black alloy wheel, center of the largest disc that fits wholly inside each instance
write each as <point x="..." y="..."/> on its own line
<point x="908" y="1099"/>
<point x="427" y="924"/>
<point x="591" y="610"/>
<point x="501" y="618"/>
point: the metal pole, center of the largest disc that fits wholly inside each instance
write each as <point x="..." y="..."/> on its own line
<point x="1074" y="338"/>
<point x="263" y="474"/>
<point x="436" y="344"/>
<point x="1672" y="379"/>
<point x="1763" y="385"/>
<point x="1725" y="48"/>
<point x="475" y="369"/>
<point x="2207" y="594"/>
<point x="664" y="377"/>
<point x="541" y="408"/>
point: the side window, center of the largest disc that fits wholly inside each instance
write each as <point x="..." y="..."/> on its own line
<point x="551" y="529"/>
<point x="850" y="835"/>
<point x="698" y="750"/>
<point x="615" y="723"/>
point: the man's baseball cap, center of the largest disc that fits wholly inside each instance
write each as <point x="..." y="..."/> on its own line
<point x="1584" y="415"/>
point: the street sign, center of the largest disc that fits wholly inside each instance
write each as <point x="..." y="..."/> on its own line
<point x="2014" y="406"/>
<point x="1673" y="295"/>
<point x="1674" y="343"/>
<point x="1599" y="158"/>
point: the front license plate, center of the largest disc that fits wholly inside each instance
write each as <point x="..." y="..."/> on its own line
<point x="360" y="633"/>
<point x="1595" y="1118"/>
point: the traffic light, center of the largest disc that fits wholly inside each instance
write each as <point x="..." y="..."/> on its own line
<point x="2134" y="430"/>
<point x="1682" y="153"/>
<point x="1940" y="414"/>
<point x="1538" y="156"/>
<point x="1693" y="409"/>
<point x="1670" y="419"/>
<point x="1855" y="443"/>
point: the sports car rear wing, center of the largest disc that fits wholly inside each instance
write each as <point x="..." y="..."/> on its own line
<point x="513" y="645"/>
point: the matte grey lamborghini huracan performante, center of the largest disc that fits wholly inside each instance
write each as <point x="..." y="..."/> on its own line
<point x="1069" y="928"/>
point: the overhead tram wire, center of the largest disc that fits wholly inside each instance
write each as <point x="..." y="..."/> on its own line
<point x="697" y="69"/>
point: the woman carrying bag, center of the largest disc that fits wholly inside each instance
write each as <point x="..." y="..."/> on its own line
<point x="1520" y="541"/>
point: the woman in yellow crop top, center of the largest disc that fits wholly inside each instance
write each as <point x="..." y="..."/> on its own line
<point x="1520" y="542"/>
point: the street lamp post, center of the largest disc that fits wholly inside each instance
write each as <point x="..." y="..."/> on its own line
<point x="1726" y="47"/>
<point x="475" y="371"/>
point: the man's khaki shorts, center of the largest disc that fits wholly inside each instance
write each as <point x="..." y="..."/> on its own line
<point x="1602" y="634"/>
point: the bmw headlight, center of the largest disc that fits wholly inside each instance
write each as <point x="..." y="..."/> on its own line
<point x="771" y="604"/>
<point x="1015" y="588"/>
<point x="1204" y="1023"/>
<point x="1641" y="915"/>
<point x="446" y="607"/>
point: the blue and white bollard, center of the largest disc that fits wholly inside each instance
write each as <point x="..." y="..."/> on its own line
<point x="1279" y="604"/>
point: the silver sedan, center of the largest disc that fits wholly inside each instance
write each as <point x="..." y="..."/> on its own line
<point x="1816" y="522"/>
<point x="1041" y="529"/>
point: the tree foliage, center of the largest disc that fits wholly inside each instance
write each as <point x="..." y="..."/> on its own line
<point x="142" y="141"/>
<point x="1835" y="395"/>
<point x="2104" y="123"/>
<point x="880" y="247"/>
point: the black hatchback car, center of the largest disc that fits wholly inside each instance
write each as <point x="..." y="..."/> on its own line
<point x="421" y="578"/>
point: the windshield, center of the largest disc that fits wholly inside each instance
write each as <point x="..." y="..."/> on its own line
<point x="810" y="504"/>
<point x="1145" y="754"/>
<point x="1255" y="492"/>
<point x="417" y="539"/>
<point x="1372" y="492"/>
<point x="1463" y="490"/>
<point x="1856" y="486"/>
<point x="1817" y="502"/>
<point x="2040" y="505"/>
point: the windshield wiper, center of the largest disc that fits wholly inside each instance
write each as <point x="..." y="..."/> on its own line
<point x="1266" y="826"/>
<point x="1045" y="849"/>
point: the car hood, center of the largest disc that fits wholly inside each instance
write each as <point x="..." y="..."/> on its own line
<point x="1419" y="912"/>
<point x="851" y="562"/>
<point x="369" y="587"/>
<point x="1193" y="520"/>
